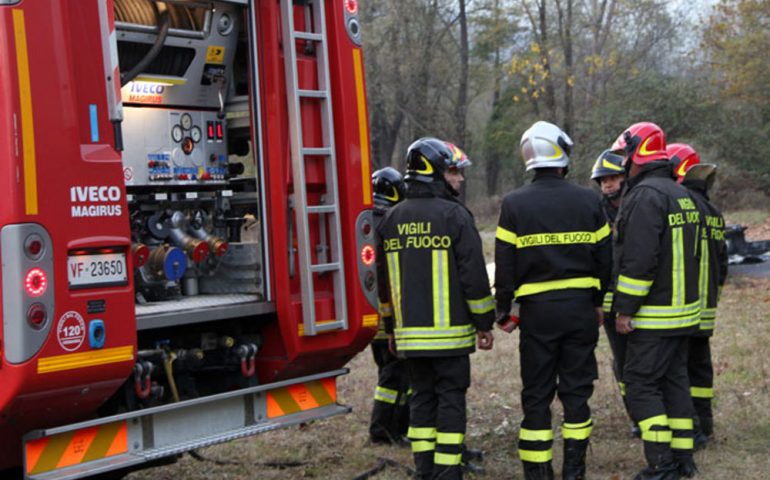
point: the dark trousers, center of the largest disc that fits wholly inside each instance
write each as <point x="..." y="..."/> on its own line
<point x="437" y="414"/>
<point x="701" y="374"/>
<point x="557" y="343"/>
<point x="658" y="394"/>
<point x="618" y="347"/>
<point x="390" y="414"/>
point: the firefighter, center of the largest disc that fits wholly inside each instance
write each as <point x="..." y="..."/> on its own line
<point x="609" y="174"/>
<point x="553" y="255"/>
<point x="390" y="414"/>
<point x="657" y="300"/>
<point x="442" y="305"/>
<point x="697" y="178"/>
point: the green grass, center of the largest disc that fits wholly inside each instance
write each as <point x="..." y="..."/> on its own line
<point x="337" y="448"/>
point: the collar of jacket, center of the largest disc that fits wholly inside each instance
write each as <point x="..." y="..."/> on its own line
<point x="697" y="186"/>
<point x="661" y="168"/>
<point x="417" y="189"/>
<point x="544" y="173"/>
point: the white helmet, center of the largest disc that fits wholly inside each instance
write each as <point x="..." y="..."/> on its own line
<point x="545" y="145"/>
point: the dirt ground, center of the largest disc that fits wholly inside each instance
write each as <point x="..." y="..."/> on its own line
<point x="337" y="448"/>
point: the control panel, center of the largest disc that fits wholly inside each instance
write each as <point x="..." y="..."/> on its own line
<point x="174" y="147"/>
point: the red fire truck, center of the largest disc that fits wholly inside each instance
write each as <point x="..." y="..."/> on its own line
<point x="184" y="232"/>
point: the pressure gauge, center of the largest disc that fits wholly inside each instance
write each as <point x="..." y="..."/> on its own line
<point x="176" y="134"/>
<point x="196" y="134"/>
<point x="186" y="121"/>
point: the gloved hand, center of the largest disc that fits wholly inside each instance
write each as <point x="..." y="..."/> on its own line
<point x="506" y="322"/>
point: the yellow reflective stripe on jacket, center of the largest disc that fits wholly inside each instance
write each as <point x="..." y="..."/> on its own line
<point x="446" y="344"/>
<point x="552" y="238"/>
<point x="440" y="288"/>
<point x="680" y="423"/>
<point x="420" y="446"/>
<point x="703" y="277"/>
<point x="678" y="443"/>
<point x="701" y="392"/>
<point x="677" y="270"/>
<point x="481" y="306"/>
<point x="421" y="433"/>
<point x="607" y="303"/>
<point x="450" y="438"/>
<point x="633" y="286"/>
<point x="536" y="456"/>
<point x="429" y="333"/>
<point x="394" y="273"/>
<point x="450" y="459"/>
<point x="659" y="436"/>
<point x="658" y="420"/>
<point x="603" y="232"/>
<point x="505" y="235"/>
<point x="657" y="317"/>
<point x="541" y="287"/>
<point x="535" y="435"/>
<point x="386" y="395"/>
<point x="577" y="431"/>
<point x="622" y="388"/>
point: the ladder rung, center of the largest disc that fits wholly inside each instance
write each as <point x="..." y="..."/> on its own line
<point x="314" y="37"/>
<point x="322" y="208"/>
<point x="323" y="151"/>
<point x="312" y="93"/>
<point x="329" y="326"/>
<point x="325" y="267"/>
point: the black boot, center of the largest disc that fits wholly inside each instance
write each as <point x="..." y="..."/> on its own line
<point x="668" y="471"/>
<point x="686" y="464"/>
<point x="538" y="471"/>
<point x="574" y="460"/>
<point x="704" y="429"/>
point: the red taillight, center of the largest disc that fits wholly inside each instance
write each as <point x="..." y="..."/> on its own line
<point x="368" y="255"/>
<point x="36" y="282"/>
<point x="351" y="6"/>
<point x="37" y="316"/>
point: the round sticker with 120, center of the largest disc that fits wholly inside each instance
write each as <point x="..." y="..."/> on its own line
<point x="71" y="331"/>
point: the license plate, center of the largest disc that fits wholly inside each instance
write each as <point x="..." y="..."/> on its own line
<point x="95" y="270"/>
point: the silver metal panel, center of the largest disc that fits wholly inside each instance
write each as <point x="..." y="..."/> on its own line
<point x="138" y="414"/>
<point x="193" y="92"/>
<point x="256" y="135"/>
<point x="153" y="157"/>
<point x="159" y="432"/>
<point x="199" y="309"/>
<point x="367" y="218"/>
<point x="21" y="342"/>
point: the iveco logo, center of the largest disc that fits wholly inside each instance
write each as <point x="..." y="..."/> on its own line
<point x="147" y="88"/>
<point x="82" y="194"/>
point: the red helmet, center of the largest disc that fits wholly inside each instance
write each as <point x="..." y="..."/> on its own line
<point x="682" y="157"/>
<point x="642" y="142"/>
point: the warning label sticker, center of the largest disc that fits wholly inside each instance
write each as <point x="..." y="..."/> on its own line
<point x="71" y="331"/>
<point x="215" y="54"/>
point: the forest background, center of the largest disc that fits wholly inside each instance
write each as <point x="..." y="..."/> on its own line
<point x="479" y="72"/>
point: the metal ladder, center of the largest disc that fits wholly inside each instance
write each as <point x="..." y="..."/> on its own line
<point x="329" y="211"/>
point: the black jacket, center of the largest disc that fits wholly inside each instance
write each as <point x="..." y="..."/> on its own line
<point x="552" y="241"/>
<point x="657" y="255"/>
<point x="713" y="266"/>
<point x="385" y="309"/>
<point x="611" y="213"/>
<point x="437" y="281"/>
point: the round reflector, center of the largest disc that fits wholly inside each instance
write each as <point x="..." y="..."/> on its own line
<point x="36" y="282"/>
<point x="33" y="246"/>
<point x="351" y="6"/>
<point x="368" y="255"/>
<point x="37" y="316"/>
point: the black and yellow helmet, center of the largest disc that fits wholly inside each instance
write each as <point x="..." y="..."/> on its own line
<point x="388" y="186"/>
<point x="608" y="163"/>
<point x="428" y="158"/>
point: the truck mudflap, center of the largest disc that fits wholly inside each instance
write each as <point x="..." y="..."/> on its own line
<point x="132" y="439"/>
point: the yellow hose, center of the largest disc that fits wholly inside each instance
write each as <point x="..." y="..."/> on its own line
<point x="170" y="375"/>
